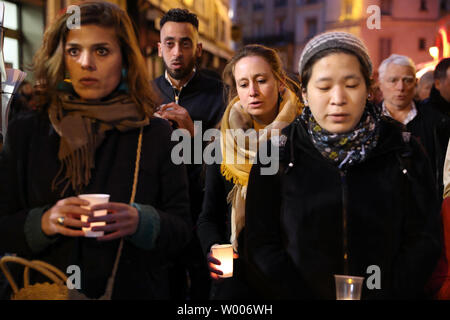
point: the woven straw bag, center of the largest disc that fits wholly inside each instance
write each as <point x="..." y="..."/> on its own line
<point x="58" y="289"/>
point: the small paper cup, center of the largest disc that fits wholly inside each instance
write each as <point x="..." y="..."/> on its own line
<point x="94" y="199"/>
<point x="224" y="253"/>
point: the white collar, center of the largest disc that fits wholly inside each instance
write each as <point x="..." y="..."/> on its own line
<point x="411" y="114"/>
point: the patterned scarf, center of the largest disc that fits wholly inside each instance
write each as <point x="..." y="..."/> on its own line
<point x="238" y="157"/>
<point x="344" y="149"/>
<point x="82" y="126"/>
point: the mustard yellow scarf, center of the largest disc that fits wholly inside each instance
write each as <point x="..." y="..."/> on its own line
<point x="237" y="157"/>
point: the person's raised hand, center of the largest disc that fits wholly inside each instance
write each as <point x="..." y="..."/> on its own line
<point x="176" y="113"/>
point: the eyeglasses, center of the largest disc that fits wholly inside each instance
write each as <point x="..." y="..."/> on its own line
<point x="407" y="81"/>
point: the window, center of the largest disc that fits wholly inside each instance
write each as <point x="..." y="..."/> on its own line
<point x="423" y="5"/>
<point x="386" y="7"/>
<point x="348" y="7"/>
<point x="258" y="5"/>
<point x="385" y="48"/>
<point x="258" y="29"/>
<point x="242" y="3"/>
<point x="279" y="25"/>
<point x="310" y="28"/>
<point x="422" y="44"/>
<point x="11" y="45"/>
<point x="223" y="31"/>
<point x="280" y="3"/>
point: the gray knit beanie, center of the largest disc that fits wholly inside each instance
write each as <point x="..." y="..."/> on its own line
<point x="334" y="40"/>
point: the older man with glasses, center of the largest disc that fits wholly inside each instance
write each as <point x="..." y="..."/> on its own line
<point x="397" y="76"/>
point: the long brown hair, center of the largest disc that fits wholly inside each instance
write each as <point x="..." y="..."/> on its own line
<point x="48" y="63"/>
<point x="269" y="55"/>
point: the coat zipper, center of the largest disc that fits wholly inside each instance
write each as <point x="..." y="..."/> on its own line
<point x="344" y="219"/>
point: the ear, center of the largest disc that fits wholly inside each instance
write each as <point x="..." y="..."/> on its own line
<point x="199" y="49"/>
<point x="437" y="84"/>
<point x="304" y="95"/>
<point x="159" y="50"/>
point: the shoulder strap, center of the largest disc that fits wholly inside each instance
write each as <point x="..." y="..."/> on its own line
<point x="110" y="285"/>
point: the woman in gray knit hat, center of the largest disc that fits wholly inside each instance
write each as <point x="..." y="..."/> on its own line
<point x="352" y="196"/>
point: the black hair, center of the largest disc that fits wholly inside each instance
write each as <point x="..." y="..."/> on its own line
<point x="440" y="72"/>
<point x="179" y="15"/>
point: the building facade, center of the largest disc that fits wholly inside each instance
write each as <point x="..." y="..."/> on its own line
<point x="270" y="22"/>
<point x="406" y="27"/>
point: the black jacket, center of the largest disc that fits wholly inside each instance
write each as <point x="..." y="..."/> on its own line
<point x="213" y="227"/>
<point x="431" y="128"/>
<point x="203" y="98"/>
<point x="28" y="164"/>
<point x="440" y="130"/>
<point x="383" y="210"/>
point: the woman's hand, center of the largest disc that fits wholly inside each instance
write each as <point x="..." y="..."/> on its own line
<point x="68" y="211"/>
<point x="122" y="220"/>
<point x="214" y="273"/>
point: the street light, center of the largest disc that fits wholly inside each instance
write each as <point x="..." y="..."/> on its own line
<point x="434" y="52"/>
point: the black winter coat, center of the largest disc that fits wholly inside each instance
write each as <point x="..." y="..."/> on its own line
<point x="203" y="98"/>
<point x="28" y="164"/>
<point x="440" y="131"/>
<point x="214" y="227"/>
<point x="381" y="212"/>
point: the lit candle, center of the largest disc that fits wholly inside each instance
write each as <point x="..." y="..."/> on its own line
<point x="224" y="253"/>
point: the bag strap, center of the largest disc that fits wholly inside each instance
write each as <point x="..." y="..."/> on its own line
<point x="110" y="284"/>
<point x="59" y="273"/>
<point x="48" y="270"/>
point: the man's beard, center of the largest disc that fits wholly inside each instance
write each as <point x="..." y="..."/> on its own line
<point x="181" y="73"/>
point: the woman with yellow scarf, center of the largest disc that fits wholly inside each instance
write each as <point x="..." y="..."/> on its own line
<point x="262" y="101"/>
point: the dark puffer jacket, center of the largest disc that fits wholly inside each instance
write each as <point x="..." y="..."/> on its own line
<point x="312" y="221"/>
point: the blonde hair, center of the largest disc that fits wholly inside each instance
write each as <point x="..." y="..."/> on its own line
<point x="48" y="63"/>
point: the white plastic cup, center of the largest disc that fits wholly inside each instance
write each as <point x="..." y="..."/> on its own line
<point x="93" y="200"/>
<point x="348" y="287"/>
<point x="224" y="253"/>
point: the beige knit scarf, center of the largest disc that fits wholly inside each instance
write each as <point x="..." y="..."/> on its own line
<point x="237" y="157"/>
<point x="82" y="126"/>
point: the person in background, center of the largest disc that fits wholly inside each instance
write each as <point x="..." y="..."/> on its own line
<point x="261" y="98"/>
<point x="94" y="132"/>
<point x="440" y="93"/>
<point x="424" y="86"/>
<point x="188" y="95"/>
<point x="352" y="190"/>
<point x="397" y="82"/>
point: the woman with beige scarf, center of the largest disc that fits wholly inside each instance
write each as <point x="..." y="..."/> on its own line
<point x="94" y="133"/>
<point x="262" y="101"/>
